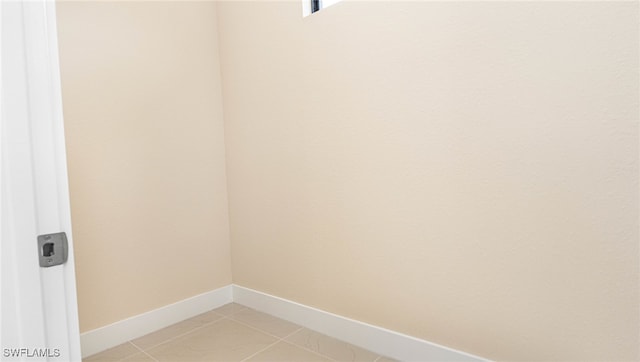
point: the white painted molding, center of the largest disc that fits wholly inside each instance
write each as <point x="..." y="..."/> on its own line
<point x="125" y="330"/>
<point x="376" y="339"/>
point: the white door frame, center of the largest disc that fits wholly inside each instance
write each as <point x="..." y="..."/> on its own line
<point x="39" y="309"/>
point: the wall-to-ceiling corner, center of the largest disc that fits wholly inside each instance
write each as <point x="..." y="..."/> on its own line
<point x="145" y="140"/>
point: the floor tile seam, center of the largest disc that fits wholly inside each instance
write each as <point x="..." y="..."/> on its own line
<point x="178" y="336"/>
<point x="261" y="330"/>
<point x="221" y="314"/>
<point x="278" y="340"/>
<point x="310" y="350"/>
<point x="212" y="322"/>
<point x="232" y="313"/>
<point x="141" y="351"/>
<point x="284" y="339"/>
<point x="150" y="356"/>
<point x="261" y="350"/>
<point x="216" y="313"/>
<point x="124" y="357"/>
<point x="292" y="333"/>
<point x="378" y="356"/>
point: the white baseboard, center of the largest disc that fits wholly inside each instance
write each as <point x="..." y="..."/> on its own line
<point x="103" y="338"/>
<point x="376" y="339"/>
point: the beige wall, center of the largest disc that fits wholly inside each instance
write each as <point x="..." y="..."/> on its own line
<point x="143" y="118"/>
<point x="463" y="172"/>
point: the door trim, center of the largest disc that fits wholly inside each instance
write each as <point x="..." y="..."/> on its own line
<point x="39" y="305"/>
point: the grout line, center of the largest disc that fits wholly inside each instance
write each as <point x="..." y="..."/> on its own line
<point x="142" y="351"/>
<point x="284" y="339"/>
<point x="230" y="317"/>
<point x="150" y="356"/>
<point x="322" y="354"/>
<point x="232" y="313"/>
<point x="292" y="333"/>
<point x="135" y="345"/>
<point x="216" y="321"/>
<point x="263" y="331"/>
<point x="262" y="350"/>
<point x="280" y="339"/>
<point x="178" y="336"/>
<point x="220" y="314"/>
<point x="127" y="356"/>
<point x="310" y="350"/>
<point x="301" y="346"/>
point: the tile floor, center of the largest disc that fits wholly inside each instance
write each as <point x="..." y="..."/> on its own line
<point x="235" y="333"/>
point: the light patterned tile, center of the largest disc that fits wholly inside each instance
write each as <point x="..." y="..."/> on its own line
<point x="230" y="309"/>
<point x="285" y="352"/>
<point x="331" y="347"/>
<point x="153" y="339"/>
<point x="225" y="340"/>
<point x="116" y="353"/>
<point x="205" y="318"/>
<point x="265" y="322"/>
<point x="139" y="357"/>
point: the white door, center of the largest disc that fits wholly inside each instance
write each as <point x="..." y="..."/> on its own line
<point x="39" y="315"/>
